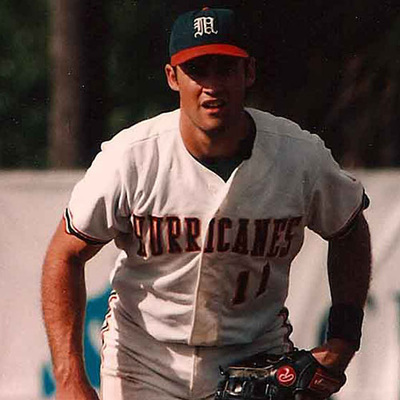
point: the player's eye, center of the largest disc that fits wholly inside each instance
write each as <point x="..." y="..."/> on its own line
<point x="225" y="66"/>
<point x="229" y="67"/>
<point x="208" y="66"/>
<point x="194" y="69"/>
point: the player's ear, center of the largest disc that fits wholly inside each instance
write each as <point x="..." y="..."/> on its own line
<point x="250" y="71"/>
<point x="172" y="78"/>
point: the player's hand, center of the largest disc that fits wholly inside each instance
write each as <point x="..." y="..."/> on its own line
<point x="335" y="354"/>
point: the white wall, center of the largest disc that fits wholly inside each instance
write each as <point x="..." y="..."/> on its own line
<point x="31" y="204"/>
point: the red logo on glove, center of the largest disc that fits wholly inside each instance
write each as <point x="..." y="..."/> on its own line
<point x="324" y="384"/>
<point x="286" y="375"/>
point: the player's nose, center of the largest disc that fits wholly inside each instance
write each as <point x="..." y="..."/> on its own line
<point x="214" y="80"/>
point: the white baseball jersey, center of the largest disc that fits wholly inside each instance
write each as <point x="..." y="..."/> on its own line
<point x="203" y="261"/>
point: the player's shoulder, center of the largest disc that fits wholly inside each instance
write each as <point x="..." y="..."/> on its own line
<point x="290" y="143"/>
<point x="270" y="125"/>
<point x="146" y="132"/>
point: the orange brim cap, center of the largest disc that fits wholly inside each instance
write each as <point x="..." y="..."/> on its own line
<point x="208" y="49"/>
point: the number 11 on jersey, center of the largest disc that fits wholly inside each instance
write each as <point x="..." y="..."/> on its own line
<point x="242" y="283"/>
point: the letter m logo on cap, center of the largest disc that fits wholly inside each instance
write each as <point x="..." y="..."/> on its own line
<point x="204" y="25"/>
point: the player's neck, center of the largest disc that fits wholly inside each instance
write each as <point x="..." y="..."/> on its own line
<point x="219" y="143"/>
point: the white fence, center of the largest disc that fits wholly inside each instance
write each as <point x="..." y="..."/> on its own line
<point x="31" y="204"/>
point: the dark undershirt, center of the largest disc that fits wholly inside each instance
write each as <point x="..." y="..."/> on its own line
<point x="224" y="166"/>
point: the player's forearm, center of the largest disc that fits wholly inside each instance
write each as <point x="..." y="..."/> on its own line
<point x="63" y="302"/>
<point x="349" y="268"/>
<point x="349" y="265"/>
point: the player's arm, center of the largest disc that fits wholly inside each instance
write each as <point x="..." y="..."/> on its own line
<point x="63" y="302"/>
<point x="349" y="271"/>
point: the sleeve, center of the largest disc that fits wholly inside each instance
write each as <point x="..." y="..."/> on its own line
<point x="98" y="209"/>
<point x="336" y="197"/>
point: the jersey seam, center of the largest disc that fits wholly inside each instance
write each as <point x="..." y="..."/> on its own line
<point x="287" y="135"/>
<point x="307" y="136"/>
<point x="135" y="129"/>
<point x="198" y="284"/>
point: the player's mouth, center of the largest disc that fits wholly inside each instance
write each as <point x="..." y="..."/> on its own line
<point x="214" y="105"/>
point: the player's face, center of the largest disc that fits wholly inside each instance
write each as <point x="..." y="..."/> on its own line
<point x="212" y="90"/>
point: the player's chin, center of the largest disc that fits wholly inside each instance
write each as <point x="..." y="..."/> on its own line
<point x="216" y="117"/>
<point x="214" y="126"/>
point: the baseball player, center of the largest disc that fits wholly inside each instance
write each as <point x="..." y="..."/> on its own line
<point x="208" y="206"/>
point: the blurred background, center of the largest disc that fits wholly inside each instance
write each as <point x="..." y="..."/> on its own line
<point x="75" y="72"/>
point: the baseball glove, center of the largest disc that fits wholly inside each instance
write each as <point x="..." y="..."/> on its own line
<point x="263" y="377"/>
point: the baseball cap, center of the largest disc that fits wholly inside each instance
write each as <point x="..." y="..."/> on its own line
<point x="204" y="32"/>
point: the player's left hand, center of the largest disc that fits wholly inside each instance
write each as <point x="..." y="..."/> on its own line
<point x="335" y="354"/>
